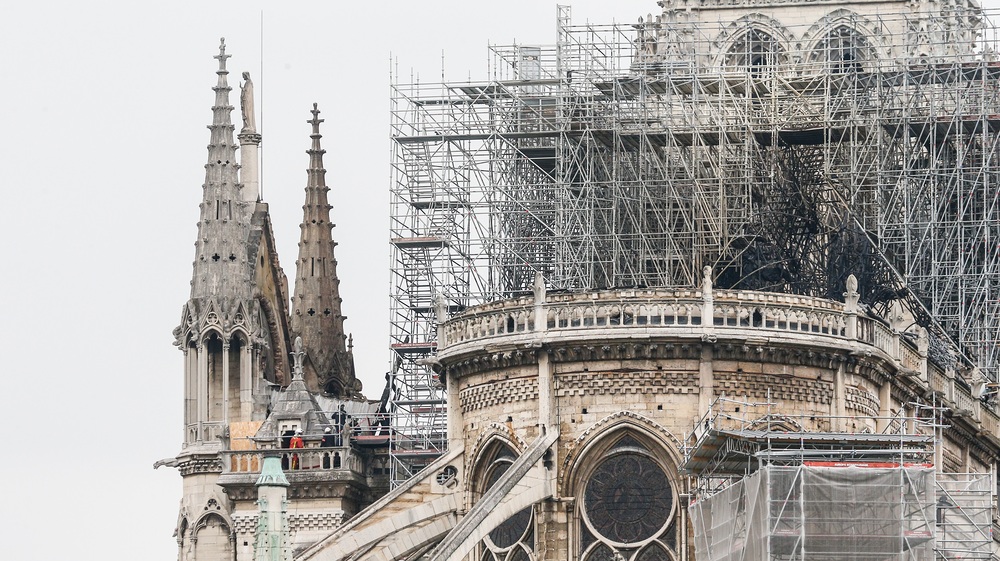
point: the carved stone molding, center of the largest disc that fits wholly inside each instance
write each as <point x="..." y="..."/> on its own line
<point x="630" y="382"/>
<point x="782" y="388"/>
<point x="315" y="521"/>
<point x="334" y="489"/>
<point x="495" y="393"/>
<point x="493" y="361"/>
<point x="493" y="432"/>
<point x="576" y="449"/>
<point x="791" y="356"/>
<point x="625" y="351"/>
<point x="860" y="401"/>
<point x="192" y="466"/>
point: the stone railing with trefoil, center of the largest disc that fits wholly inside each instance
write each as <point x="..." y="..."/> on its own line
<point x="659" y="309"/>
<point x="310" y="460"/>
<point x="683" y="313"/>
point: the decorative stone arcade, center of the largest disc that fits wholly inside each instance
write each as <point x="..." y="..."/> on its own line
<point x="219" y="373"/>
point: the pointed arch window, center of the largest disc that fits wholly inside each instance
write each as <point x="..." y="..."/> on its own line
<point x="844" y="50"/>
<point x="756" y="51"/>
<point x="628" y="506"/>
<point x="513" y="540"/>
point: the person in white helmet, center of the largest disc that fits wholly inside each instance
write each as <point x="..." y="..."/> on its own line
<point x="296" y="442"/>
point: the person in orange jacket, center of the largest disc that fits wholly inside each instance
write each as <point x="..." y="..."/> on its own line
<point x="296" y="442"/>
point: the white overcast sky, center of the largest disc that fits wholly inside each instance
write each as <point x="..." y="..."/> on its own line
<point x="103" y="116"/>
<point x="102" y="150"/>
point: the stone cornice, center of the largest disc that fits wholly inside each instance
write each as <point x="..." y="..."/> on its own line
<point x="349" y="489"/>
<point x="493" y="360"/>
<point x="199" y="463"/>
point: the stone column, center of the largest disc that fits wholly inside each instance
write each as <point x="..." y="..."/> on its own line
<point x="706" y="374"/>
<point x="706" y="379"/>
<point x="202" y="389"/>
<point x="839" y="405"/>
<point x="190" y="388"/>
<point x="456" y="422"/>
<point x="552" y="526"/>
<point x="249" y="149"/>
<point x="546" y="392"/>
<point x="225" y="381"/>
<point x="923" y="347"/>
<point x="884" y="406"/>
<point x="246" y="382"/>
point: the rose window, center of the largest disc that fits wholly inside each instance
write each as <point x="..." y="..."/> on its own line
<point x="628" y="508"/>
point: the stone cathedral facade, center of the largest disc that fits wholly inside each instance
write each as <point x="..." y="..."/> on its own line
<point x="582" y="424"/>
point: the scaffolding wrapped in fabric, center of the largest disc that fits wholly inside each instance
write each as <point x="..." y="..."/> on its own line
<point x="964" y="515"/>
<point x="819" y="511"/>
<point x="732" y="524"/>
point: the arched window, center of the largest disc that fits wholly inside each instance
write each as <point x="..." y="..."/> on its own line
<point x="513" y="540"/>
<point x="755" y="51"/>
<point x="213" y="539"/>
<point x="843" y="50"/>
<point x="216" y="399"/>
<point x="628" y="505"/>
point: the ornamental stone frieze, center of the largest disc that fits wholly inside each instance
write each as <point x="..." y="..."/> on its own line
<point x="197" y="465"/>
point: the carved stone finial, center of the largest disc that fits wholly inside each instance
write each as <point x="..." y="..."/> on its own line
<point x="706" y="279"/>
<point x="222" y="56"/>
<point x="440" y="309"/>
<point x="851" y="297"/>
<point x="297" y="356"/>
<point x="315" y="121"/>
<point x="539" y="288"/>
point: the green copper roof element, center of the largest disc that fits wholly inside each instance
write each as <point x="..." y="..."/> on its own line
<point x="271" y="473"/>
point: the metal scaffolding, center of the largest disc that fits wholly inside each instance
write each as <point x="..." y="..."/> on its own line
<point x="779" y="487"/>
<point x="637" y="155"/>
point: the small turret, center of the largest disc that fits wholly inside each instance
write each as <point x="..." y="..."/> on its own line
<point x="316" y="307"/>
<point x="271" y="542"/>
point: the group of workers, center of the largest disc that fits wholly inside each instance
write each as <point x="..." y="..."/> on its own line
<point x="332" y="437"/>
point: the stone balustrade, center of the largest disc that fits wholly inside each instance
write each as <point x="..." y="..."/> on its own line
<point x="941" y="383"/>
<point x="910" y="357"/>
<point x="302" y="459"/>
<point x="990" y="420"/>
<point x="966" y="404"/>
<point x="204" y="432"/>
<point x="683" y="313"/>
<point x="653" y="309"/>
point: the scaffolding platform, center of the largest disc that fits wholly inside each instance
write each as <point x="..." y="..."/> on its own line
<point x="767" y="489"/>
<point x="737" y="452"/>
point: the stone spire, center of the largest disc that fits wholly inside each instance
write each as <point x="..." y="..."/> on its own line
<point x="316" y="314"/>
<point x="220" y="268"/>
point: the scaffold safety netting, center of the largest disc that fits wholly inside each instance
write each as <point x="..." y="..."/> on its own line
<point x="820" y="511"/>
